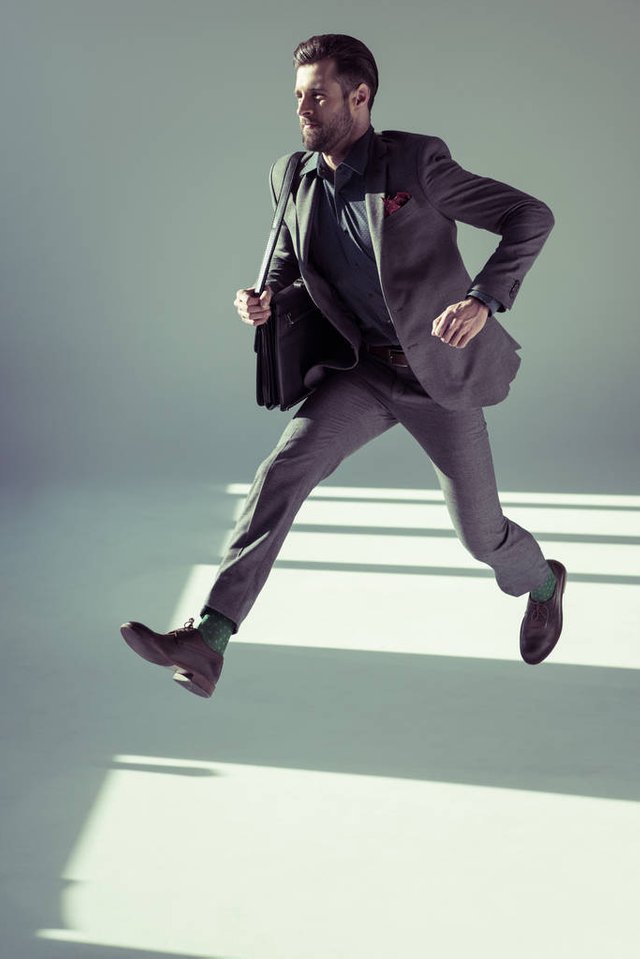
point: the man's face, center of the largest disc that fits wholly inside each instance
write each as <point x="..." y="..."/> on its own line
<point x="326" y="116"/>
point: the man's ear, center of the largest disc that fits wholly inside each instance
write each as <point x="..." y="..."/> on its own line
<point x="363" y="94"/>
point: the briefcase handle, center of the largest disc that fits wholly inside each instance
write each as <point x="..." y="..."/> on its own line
<point x="277" y="221"/>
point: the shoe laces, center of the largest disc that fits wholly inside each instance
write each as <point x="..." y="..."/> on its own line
<point x="188" y="626"/>
<point x="538" y="611"/>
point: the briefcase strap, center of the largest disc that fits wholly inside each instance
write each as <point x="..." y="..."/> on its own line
<point x="277" y="221"/>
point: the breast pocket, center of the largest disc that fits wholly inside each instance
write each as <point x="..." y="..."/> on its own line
<point x="403" y="213"/>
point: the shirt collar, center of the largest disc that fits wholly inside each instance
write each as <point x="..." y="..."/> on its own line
<point x="356" y="158"/>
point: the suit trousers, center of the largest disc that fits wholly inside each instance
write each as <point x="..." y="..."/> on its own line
<point x="346" y="410"/>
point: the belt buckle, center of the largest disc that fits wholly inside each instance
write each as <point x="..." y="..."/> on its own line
<point x="392" y="353"/>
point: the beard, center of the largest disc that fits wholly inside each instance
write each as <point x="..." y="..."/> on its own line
<point x="326" y="136"/>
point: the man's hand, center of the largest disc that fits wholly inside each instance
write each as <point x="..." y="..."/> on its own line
<point x="460" y="322"/>
<point x="252" y="309"/>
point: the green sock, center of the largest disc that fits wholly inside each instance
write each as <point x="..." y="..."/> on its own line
<point x="545" y="590"/>
<point x="216" y="630"/>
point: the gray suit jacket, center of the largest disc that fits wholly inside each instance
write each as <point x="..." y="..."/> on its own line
<point x="419" y="263"/>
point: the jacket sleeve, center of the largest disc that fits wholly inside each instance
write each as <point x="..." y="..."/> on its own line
<point x="283" y="269"/>
<point x="523" y="222"/>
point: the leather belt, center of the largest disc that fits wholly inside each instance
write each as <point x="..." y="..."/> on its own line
<point x="391" y="354"/>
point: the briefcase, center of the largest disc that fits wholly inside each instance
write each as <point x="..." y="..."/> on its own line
<point x="287" y="345"/>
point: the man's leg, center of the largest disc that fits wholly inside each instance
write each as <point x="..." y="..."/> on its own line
<point x="458" y="444"/>
<point x="343" y="414"/>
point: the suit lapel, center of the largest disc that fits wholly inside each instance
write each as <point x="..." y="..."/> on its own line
<point x="375" y="188"/>
<point x="306" y="203"/>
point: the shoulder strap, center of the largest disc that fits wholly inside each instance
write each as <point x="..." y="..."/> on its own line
<point x="278" y="216"/>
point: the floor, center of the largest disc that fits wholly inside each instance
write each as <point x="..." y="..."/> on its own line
<point x="377" y="774"/>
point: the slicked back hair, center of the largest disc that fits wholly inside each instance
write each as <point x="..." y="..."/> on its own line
<point x="354" y="62"/>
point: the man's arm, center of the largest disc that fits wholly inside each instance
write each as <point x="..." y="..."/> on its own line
<point x="284" y="268"/>
<point x="523" y="221"/>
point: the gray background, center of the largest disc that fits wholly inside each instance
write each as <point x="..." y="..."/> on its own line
<point x="137" y="137"/>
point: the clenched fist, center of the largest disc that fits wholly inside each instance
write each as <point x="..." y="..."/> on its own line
<point x="252" y="309"/>
<point x="460" y="322"/>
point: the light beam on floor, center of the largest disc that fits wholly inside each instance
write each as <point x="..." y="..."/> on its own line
<point x="281" y="863"/>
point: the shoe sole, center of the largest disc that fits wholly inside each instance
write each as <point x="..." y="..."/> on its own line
<point x="188" y="682"/>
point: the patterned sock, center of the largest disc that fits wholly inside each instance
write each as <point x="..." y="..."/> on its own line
<point x="546" y="590"/>
<point x="216" y="630"/>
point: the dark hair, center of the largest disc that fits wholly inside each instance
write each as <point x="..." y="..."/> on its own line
<point x="354" y="62"/>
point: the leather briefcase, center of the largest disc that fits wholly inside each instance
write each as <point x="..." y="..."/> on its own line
<point x="287" y="345"/>
<point x="296" y="338"/>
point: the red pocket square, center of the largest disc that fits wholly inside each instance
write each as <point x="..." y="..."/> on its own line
<point x="394" y="201"/>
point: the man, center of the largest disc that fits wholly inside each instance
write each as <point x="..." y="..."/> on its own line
<point x="370" y="229"/>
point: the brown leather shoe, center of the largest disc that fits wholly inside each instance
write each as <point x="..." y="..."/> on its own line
<point x="542" y="623"/>
<point x="198" y="667"/>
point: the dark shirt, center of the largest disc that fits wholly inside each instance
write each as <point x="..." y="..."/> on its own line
<point x="341" y="248"/>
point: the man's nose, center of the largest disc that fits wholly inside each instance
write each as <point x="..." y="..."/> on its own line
<point x="303" y="108"/>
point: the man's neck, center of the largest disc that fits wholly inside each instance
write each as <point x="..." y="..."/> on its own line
<point x="333" y="160"/>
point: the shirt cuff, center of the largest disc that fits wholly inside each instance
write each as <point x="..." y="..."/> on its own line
<point x="489" y="300"/>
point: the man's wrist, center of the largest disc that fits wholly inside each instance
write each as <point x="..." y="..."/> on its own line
<point x="489" y="301"/>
